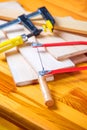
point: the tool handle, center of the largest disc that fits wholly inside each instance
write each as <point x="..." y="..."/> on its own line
<point x="8" y="44"/>
<point x="71" y="43"/>
<point x="46" y="92"/>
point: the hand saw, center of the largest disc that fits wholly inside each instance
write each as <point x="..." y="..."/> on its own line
<point x="63" y="70"/>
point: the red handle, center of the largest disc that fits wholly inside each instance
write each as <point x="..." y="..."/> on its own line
<point x="62" y="44"/>
<point x="72" y="69"/>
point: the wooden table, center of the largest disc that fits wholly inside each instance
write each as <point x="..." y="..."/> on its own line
<point x="24" y="106"/>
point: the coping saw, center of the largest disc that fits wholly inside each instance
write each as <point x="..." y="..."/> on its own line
<point x="63" y="70"/>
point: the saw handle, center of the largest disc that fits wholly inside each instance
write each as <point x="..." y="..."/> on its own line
<point x="46" y="92"/>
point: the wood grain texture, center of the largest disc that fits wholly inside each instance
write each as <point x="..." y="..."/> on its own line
<point x="24" y="101"/>
<point x="5" y="124"/>
<point x="79" y="59"/>
<point x="25" y="106"/>
<point x="8" y="7"/>
<point x="45" y="91"/>
<point x="72" y="24"/>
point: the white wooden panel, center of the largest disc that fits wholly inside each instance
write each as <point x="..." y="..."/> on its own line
<point x="22" y="72"/>
<point x="11" y="9"/>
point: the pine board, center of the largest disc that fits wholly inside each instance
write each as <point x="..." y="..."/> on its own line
<point x="62" y="52"/>
<point x="72" y="24"/>
<point x="22" y="72"/>
<point x="7" y="9"/>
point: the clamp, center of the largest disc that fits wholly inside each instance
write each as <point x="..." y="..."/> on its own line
<point x="24" y="19"/>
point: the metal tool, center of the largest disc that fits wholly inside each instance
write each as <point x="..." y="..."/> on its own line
<point x="59" y="44"/>
<point x="24" y="19"/>
<point x="8" y="44"/>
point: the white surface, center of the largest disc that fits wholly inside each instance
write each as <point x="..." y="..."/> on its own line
<point x="22" y="72"/>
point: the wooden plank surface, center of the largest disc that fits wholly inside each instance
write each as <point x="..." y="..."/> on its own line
<point x="7" y="7"/>
<point x="28" y="99"/>
<point x="25" y="106"/>
<point x="64" y="24"/>
<point x="62" y="52"/>
<point x="22" y="72"/>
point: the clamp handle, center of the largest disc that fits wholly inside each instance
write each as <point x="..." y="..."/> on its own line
<point x="48" y="26"/>
<point x="46" y="14"/>
<point x="8" y="44"/>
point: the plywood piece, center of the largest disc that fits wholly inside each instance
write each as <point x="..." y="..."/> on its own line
<point x="79" y="59"/>
<point x="22" y="72"/>
<point x="71" y="24"/>
<point x="61" y="52"/>
<point x="11" y="9"/>
<point x="73" y="37"/>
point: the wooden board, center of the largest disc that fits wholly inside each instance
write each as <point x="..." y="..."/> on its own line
<point x="7" y="9"/>
<point x="79" y="59"/>
<point x="70" y="24"/>
<point x="73" y="37"/>
<point x="62" y="52"/>
<point x="22" y="72"/>
<point x="28" y="110"/>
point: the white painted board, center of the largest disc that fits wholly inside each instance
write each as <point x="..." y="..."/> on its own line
<point x="22" y="72"/>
